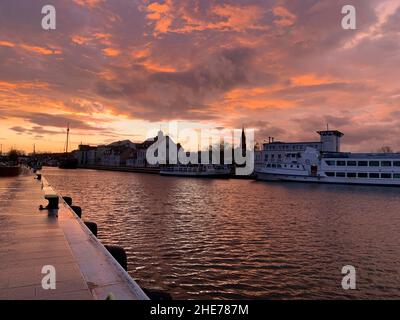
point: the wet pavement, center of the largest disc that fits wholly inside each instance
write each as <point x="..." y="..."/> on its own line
<point x="32" y="239"/>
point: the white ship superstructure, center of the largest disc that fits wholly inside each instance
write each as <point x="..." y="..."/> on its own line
<point x="324" y="163"/>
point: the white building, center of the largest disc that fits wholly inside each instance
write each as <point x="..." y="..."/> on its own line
<point x="281" y="151"/>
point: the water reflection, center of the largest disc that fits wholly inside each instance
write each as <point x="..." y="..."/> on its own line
<point x="201" y="238"/>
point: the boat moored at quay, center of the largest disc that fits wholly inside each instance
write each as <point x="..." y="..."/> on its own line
<point x="322" y="162"/>
<point x="9" y="170"/>
<point x="200" y="171"/>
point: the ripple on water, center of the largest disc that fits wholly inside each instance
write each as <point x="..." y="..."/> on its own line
<point x="239" y="239"/>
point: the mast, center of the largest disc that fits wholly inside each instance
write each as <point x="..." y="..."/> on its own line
<point x="66" y="146"/>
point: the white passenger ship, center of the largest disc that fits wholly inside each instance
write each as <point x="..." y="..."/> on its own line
<point x="322" y="162"/>
<point x="201" y="171"/>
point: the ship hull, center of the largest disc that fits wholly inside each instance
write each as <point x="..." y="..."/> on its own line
<point x="10" y="171"/>
<point x="265" y="176"/>
<point x="68" y="164"/>
<point x="195" y="174"/>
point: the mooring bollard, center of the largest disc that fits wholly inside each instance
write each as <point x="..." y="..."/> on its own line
<point x="92" y="226"/>
<point x="119" y="254"/>
<point x="77" y="210"/>
<point x="52" y="197"/>
<point x="157" y="295"/>
<point x="68" y="200"/>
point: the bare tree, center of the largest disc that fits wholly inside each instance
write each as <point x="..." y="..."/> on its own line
<point x="13" y="155"/>
<point x="385" y="149"/>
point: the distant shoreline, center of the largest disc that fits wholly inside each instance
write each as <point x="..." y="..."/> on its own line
<point x="122" y="169"/>
<point x="144" y="170"/>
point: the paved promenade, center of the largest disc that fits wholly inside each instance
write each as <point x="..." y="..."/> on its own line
<point x="31" y="239"/>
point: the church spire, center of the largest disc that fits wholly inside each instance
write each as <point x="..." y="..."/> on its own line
<point x="243" y="142"/>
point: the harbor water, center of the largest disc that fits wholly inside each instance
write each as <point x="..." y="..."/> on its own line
<point x="244" y="239"/>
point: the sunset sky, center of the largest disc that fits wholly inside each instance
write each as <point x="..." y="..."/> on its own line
<point x="114" y="69"/>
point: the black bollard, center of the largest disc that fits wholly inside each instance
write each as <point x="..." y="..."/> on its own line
<point x="119" y="254"/>
<point x="77" y="210"/>
<point x="157" y="295"/>
<point x="92" y="226"/>
<point x="68" y="200"/>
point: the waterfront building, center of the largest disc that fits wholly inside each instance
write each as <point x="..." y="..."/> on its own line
<point x="123" y="153"/>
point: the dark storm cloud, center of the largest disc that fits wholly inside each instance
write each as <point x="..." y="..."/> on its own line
<point x="55" y="120"/>
<point x="35" y="130"/>
<point x="184" y="94"/>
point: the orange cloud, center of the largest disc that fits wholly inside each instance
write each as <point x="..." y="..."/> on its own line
<point x="103" y="38"/>
<point x="40" y="50"/>
<point x="23" y="85"/>
<point x="161" y="14"/>
<point x="31" y="48"/>
<point x="77" y="39"/>
<point x="6" y="44"/>
<point x="311" y="79"/>
<point x="107" y="75"/>
<point x="111" y="52"/>
<point x="179" y="18"/>
<point x="238" y="18"/>
<point x="139" y="54"/>
<point x="88" y="3"/>
<point x="153" y="66"/>
<point x="286" y="18"/>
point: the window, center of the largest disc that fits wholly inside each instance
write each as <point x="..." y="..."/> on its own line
<point x="351" y="175"/>
<point x="330" y="162"/>
<point x="386" y="175"/>
<point x="340" y="174"/>
<point x="351" y="163"/>
<point x="362" y="175"/>
<point x="341" y="163"/>
<point x="396" y="175"/>
<point x="363" y="163"/>
<point x="396" y="163"/>
<point x="386" y="163"/>
<point x="374" y="175"/>
<point x="330" y="174"/>
<point x="374" y="163"/>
